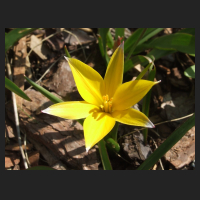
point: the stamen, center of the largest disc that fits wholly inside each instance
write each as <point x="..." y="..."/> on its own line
<point x="107" y="104"/>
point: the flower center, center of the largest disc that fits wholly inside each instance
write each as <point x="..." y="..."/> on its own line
<point x="107" y="104"/>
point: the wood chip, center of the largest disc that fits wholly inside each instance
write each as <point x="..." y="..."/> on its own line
<point x="15" y="147"/>
<point x="19" y="66"/>
<point x="183" y="152"/>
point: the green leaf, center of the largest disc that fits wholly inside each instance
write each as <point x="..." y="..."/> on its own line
<point x="111" y="139"/>
<point x="150" y="32"/>
<point x="182" y="42"/>
<point x="103" y="33"/>
<point x="40" y="168"/>
<point x="156" y="53"/>
<point x="45" y="92"/>
<point x="104" y="155"/>
<point x="66" y="52"/>
<point x="103" y="53"/>
<point x="150" y="65"/>
<point x="13" y="36"/>
<point x="110" y="41"/>
<point x="14" y="88"/>
<point x="48" y="94"/>
<point x="190" y="72"/>
<point x="119" y="32"/>
<point x="188" y="30"/>
<point x="147" y="100"/>
<point x="137" y="39"/>
<point x="167" y="144"/>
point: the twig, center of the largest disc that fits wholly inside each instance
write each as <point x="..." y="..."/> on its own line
<point x="156" y="148"/>
<point x="172" y="120"/>
<point x="46" y="38"/>
<point x="46" y="71"/>
<point x="16" y="116"/>
<point x="26" y="154"/>
<point x="77" y="40"/>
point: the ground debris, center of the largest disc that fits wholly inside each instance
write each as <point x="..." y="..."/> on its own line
<point x="64" y="138"/>
<point x="134" y="148"/>
<point x="183" y="152"/>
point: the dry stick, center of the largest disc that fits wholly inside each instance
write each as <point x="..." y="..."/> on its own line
<point x="16" y="116"/>
<point x="46" y="72"/>
<point x="77" y="40"/>
<point x="26" y="154"/>
<point x="51" y="67"/>
<point x="172" y="120"/>
<point x="46" y="38"/>
<point x="156" y="148"/>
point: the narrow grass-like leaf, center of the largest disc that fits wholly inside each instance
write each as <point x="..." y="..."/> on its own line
<point x="150" y="65"/>
<point x="104" y="155"/>
<point x="190" y="72"/>
<point x="139" y="37"/>
<point x="14" y="88"/>
<point x="105" y="56"/>
<point x="119" y="32"/>
<point x="147" y="99"/>
<point x="156" y="53"/>
<point x="167" y="144"/>
<point x="103" y="33"/>
<point x="66" y="52"/>
<point x="110" y="41"/>
<point x="13" y="36"/>
<point x="48" y="94"/>
<point x="182" y="42"/>
<point x="150" y="32"/>
<point x="45" y="92"/>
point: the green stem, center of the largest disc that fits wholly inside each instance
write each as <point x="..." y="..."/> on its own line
<point x="104" y="155"/>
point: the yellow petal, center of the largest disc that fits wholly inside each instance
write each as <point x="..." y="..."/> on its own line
<point x="88" y="81"/>
<point x="132" y="117"/>
<point x="114" y="73"/>
<point x="96" y="127"/>
<point x="130" y="93"/>
<point x="71" y="109"/>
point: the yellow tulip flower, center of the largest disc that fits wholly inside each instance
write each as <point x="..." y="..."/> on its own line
<point x="105" y="100"/>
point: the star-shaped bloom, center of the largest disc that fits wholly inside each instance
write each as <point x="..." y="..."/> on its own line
<point x="105" y="100"/>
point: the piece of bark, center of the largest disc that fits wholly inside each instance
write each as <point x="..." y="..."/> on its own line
<point x="134" y="148"/>
<point x="183" y="152"/>
<point x="62" y="82"/>
<point x="9" y="128"/>
<point x="10" y="161"/>
<point x="64" y="138"/>
<point x="19" y="66"/>
<point x="51" y="159"/>
<point x="33" y="158"/>
<point x="15" y="147"/>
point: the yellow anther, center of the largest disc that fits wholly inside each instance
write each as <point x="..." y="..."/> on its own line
<point x="107" y="104"/>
